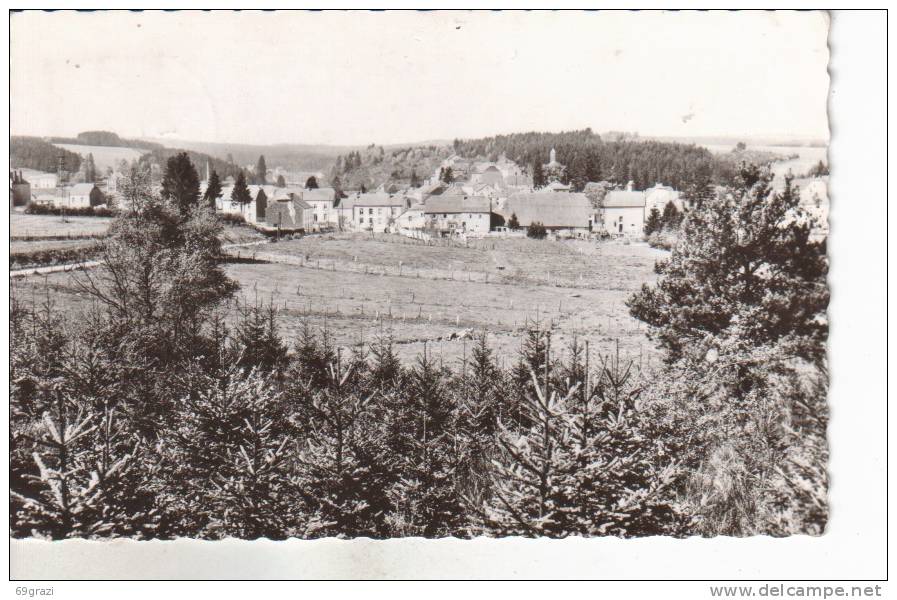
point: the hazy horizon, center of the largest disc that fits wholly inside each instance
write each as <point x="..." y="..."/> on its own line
<point x="355" y="78"/>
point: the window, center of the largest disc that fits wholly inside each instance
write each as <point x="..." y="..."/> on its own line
<point x="370" y="211"/>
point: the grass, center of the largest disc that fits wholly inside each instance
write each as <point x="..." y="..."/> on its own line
<point x="21" y="224"/>
<point x="417" y="308"/>
<point x="105" y="156"/>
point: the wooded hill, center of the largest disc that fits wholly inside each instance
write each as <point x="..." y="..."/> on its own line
<point x="588" y="157"/>
<point x="374" y="166"/>
<point x="26" y="152"/>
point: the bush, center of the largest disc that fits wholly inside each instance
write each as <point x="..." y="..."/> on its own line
<point x="54" y="256"/>
<point x="89" y="211"/>
<point x="536" y="231"/>
<point x="665" y="239"/>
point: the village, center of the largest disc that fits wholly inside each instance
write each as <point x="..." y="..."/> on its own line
<point x="463" y="198"/>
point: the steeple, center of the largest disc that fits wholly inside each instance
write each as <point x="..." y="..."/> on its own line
<point x="552" y="157"/>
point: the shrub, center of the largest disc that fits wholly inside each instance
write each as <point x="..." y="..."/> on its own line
<point x="88" y="211"/>
<point x="536" y="231"/>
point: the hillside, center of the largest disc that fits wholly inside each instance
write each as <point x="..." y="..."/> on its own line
<point x="375" y="165"/>
<point x="106" y="138"/>
<point x="589" y="157"/>
<point x="27" y="152"/>
<point x="297" y="157"/>
<point x="104" y="157"/>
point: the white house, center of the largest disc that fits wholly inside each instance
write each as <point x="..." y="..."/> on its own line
<point x="624" y="213"/>
<point x="80" y="195"/>
<point x="412" y="218"/>
<point x="40" y="180"/>
<point x="661" y="195"/>
<point x="322" y="201"/>
<point x="375" y="211"/>
<point x="459" y="214"/>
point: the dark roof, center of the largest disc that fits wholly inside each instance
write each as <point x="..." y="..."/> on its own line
<point x="552" y="209"/>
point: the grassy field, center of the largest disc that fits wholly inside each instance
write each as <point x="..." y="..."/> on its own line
<point x="21" y="224"/>
<point x="104" y="156"/>
<point x="420" y="306"/>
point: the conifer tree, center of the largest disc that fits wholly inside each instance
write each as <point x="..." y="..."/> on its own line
<point x="538" y="174"/>
<point x="426" y="501"/>
<point x="745" y="265"/>
<point x="261" y="171"/>
<point x="180" y="183"/>
<point x="213" y="189"/>
<point x="344" y="465"/>
<point x="229" y="462"/>
<point x="653" y="222"/>
<point x="240" y="193"/>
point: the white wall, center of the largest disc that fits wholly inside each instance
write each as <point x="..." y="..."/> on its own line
<point x="628" y="220"/>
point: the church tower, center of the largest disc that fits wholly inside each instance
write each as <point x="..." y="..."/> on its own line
<point x="552" y="157"/>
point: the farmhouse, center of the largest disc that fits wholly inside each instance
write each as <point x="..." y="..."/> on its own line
<point x="287" y="210"/>
<point x="375" y="211"/>
<point x="553" y="210"/>
<point x="40" y="180"/>
<point x="413" y="218"/>
<point x="322" y="201"/>
<point x="624" y="212"/>
<point x="489" y="176"/>
<point x="659" y="196"/>
<point x="81" y="195"/>
<point x="461" y="214"/>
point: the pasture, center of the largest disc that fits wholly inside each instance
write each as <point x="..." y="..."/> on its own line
<point x="23" y="225"/>
<point x="440" y="296"/>
<point x="104" y="156"/>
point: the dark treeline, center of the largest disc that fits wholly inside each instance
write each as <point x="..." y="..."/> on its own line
<point x="224" y="168"/>
<point x="588" y="157"/>
<point x="160" y="414"/>
<point x="35" y="153"/>
<point x="107" y="138"/>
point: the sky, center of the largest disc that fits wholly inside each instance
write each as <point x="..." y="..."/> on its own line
<point x="392" y="77"/>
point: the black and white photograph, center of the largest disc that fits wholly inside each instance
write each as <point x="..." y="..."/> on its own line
<point x="306" y="275"/>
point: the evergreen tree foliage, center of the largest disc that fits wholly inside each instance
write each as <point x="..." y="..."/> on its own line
<point x="747" y="266"/>
<point x="213" y="190"/>
<point x="261" y="171"/>
<point x="241" y="194"/>
<point x="311" y="183"/>
<point x="653" y="222"/>
<point x="180" y="183"/>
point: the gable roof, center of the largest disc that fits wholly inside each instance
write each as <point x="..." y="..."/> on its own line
<point x="377" y="199"/>
<point x="624" y="199"/>
<point x="324" y="194"/>
<point x="82" y="188"/>
<point x="457" y="204"/>
<point x="550" y="208"/>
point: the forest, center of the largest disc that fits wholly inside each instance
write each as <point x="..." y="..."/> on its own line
<point x="153" y="416"/>
<point x="35" y="153"/>
<point x="588" y="157"/>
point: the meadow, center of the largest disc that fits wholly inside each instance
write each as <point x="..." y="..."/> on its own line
<point x="23" y="225"/>
<point x="104" y="156"/>
<point x="440" y="297"/>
